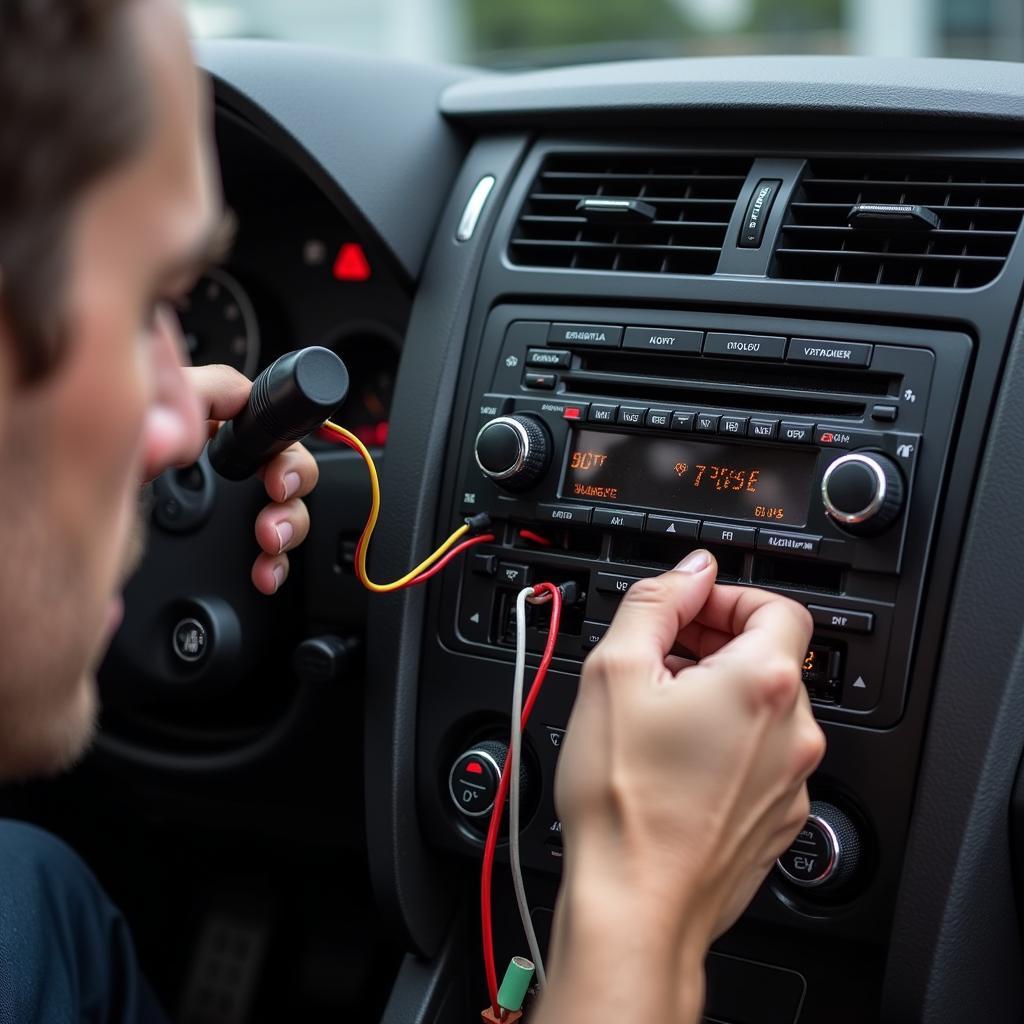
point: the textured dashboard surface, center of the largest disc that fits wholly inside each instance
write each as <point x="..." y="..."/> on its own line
<point x="715" y="90"/>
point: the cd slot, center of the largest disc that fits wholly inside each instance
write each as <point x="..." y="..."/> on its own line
<point x="742" y="373"/>
<point x="700" y="393"/>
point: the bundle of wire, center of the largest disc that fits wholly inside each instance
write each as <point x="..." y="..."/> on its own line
<point x="510" y="780"/>
<point x="542" y="592"/>
<point x="433" y="563"/>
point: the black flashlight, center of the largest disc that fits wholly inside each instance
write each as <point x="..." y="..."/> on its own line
<point x="293" y="396"/>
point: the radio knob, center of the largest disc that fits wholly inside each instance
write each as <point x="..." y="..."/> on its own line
<point x="863" y="492"/>
<point x="514" y="451"/>
<point x="827" y="851"/>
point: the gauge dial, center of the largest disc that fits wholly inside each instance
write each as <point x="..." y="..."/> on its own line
<point x="371" y="356"/>
<point x="219" y="323"/>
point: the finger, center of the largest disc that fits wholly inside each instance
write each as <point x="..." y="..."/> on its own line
<point x="654" y="610"/>
<point x="701" y="640"/>
<point x="291" y="474"/>
<point x="222" y="391"/>
<point x="269" y="572"/>
<point x="737" y="610"/>
<point x="281" y="527"/>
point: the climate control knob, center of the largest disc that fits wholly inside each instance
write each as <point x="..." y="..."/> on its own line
<point x="863" y="492"/>
<point x="513" y="451"/>
<point x="827" y="851"/>
<point x="474" y="777"/>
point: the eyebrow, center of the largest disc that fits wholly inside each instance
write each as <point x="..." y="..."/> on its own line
<point x="212" y="248"/>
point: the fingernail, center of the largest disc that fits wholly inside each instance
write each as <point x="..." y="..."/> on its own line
<point x="279" y="575"/>
<point x="291" y="484"/>
<point x="285" y="532"/>
<point x="695" y="561"/>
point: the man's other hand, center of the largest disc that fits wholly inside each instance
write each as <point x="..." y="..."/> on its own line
<point x="680" y="780"/>
<point x="221" y="393"/>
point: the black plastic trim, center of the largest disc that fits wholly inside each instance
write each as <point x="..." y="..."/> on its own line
<point x="956" y="949"/>
<point x="412" y="884"/>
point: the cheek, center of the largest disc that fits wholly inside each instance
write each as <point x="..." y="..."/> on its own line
<point x="98" y="428"/>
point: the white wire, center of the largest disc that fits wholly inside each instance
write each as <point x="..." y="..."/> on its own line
<point x="515" y="758"/>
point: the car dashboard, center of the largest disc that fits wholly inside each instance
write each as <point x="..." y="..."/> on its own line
<point x="788" y="289"/>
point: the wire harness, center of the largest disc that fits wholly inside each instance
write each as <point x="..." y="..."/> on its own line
<point x="434" y="562"/>
<point x="549" y="592"/>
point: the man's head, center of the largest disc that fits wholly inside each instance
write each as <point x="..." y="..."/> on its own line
<point x="108" y="197"/>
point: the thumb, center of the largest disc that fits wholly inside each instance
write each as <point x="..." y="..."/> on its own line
<point x="655" y="610"/>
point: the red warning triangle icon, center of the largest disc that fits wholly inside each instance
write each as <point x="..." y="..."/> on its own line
<point x="351" y="263"/>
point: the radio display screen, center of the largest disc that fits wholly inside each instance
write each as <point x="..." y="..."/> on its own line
<point x="705" y="478"/>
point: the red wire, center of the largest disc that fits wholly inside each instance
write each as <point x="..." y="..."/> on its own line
<point x="491" y="845"/>
<point x="328" y="435"/>
<point x="535" y="537"/>
<point x="441" y="563"/>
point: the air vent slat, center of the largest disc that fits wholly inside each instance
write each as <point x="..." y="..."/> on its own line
<point x="979" y="204"/>
<point x="693" y="198"/>
<point x="617" y="246"/>
<point x="613" y="176"/>
<point x="873" y="255"/>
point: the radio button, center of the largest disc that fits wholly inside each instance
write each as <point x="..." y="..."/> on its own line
<point x="558" y="358"/>
<point x="613" y="583"/>
<point x="766" y="430"/>
<point x="734" y="536"/>
<point x="657" y="339"/>
<point x="539" y="381"/>
<point x="788" y="543"/>
<point x="632" y="415"/>
<point x="797" y="433"/>
<point x="835" y="353"/>
<point x="483" y="565"/>
<point x="511" y="574"/>
<point x="617" y="520"/>
<point x="575" y="515"/>
<point x="593" y="633"/>
<point x="590" y="335"/>
<point x="659" y="418"/>
<point x="840" y="437"/>
<point x="744" y="346"/>
<point x="671" y="526"/>
<point x="682" y="421"/>
<point x="842" y="620"/>
<point x="736" y="425"/>
<point x="603" y="413"/>
<point x="706" y="423"/>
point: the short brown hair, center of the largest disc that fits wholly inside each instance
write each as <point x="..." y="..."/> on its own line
<point x="72" y="108"/>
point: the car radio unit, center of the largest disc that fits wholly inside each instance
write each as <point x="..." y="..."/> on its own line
<point x="809" y="457"/>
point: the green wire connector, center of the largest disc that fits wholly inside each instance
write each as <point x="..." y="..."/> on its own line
<point x="515" y="984"/>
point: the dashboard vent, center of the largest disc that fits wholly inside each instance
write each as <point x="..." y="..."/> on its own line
<point x="978" y="204"/>
<point x="677" y="224"/>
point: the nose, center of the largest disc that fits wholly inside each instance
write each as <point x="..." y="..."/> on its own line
<point x="174" y="431"/>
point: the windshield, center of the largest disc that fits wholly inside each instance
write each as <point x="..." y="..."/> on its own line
<point x="537" y="33"/>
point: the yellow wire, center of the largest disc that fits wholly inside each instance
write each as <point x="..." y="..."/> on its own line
<point x="371" y="522"/>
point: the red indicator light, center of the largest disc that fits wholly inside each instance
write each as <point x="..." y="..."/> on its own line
<point x="571" y="412"/>
<point x="475" y="768"/>
<point x="351" y="263"/>
<point x="827" y="438"/>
